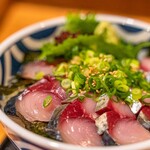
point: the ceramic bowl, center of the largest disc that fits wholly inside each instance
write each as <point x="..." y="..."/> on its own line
<point x="32" y="38"/>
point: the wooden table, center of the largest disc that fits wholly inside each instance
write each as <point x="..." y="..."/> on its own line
<point x="15" y="15"/>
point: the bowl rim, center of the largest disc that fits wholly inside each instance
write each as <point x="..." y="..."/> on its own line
<point x="45" y="142"/>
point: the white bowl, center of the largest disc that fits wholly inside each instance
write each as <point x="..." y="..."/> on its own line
<point x="31" y="38"/>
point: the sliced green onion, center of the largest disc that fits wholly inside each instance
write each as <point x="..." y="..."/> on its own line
<point x="74" y="88"/>
<point x="76" y="60"/>
<point x="104" y="66"/>
<point x="39" y="75"/>
<point x="103" y="83"/>
<point x="144" y="98"/>
<point x="75" y="68"/>
<point x="122" y="88"/>
<point x="144" y="85"/>
<point x="119" y="74"/>
<point x="124" y="81"/>
<point x="90" y="53"/>
<point x="61" y="69"/>
<point x="91" y="61"/>
<point x="66" y="83"/>
<point x="94" y="83"/>
<point x="134" y="63"/>
<point x="109" y="58"/>
<point x="126" y="62"/>
<point x="128" y="100"/>
<point x="136" y="93"/>
<point x="47" y="101"/>
<point x="122" y="95"/>
<point x="112" y="92"/>
<point x="79" y="78"/>
<point x="81" y="98"/>
<point x="117" y="83"/>
<point x="109" y="80"/>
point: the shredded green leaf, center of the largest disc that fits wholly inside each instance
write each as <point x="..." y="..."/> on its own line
<point x="95" y="43"/>
<point x="84" y="24"/>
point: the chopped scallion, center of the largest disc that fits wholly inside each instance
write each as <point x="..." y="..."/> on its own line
<point x="136" y="93"/>
<point x="66" y="83"/>
<point x="123" y="88"/>
<point x="94" y="83"/>
<point x="39" y="75"/>
<point x="47" y="101"/>
<point x="79" y="78"/>
<point x="146" y="99"/>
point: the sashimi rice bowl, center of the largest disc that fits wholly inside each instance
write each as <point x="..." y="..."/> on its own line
<point x="79" y="82"/>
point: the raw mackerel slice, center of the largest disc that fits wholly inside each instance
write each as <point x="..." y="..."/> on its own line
<point x="112" y="119"/>
<point x="144" y="117"/>
<point x="145" y="64"/>
<point x="128" y="131"/>
<point x="30" y="106"/>
<point x="120" y="107"/>
<point x="89" y="106"/>
<point x="146" y="112"/>
<point x="80" y="131"/>
<point x="32" y="69"/>
<point x="30" y="103"/>
<point x="76" y="125"/>
<point x="49" y="84"/>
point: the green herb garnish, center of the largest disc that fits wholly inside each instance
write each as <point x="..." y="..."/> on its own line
<point x="97" y="62"/>
<point x="47" y="101"/>
<point x="93" y="42"/>
<point x="66" y="83"/>
<point x="84" y="24"/>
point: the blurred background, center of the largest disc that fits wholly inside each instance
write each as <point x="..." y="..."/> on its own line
<point x="15" y="14"/>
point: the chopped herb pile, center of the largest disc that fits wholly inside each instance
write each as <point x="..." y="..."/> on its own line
<point x="98" y="59"/>
<point x="103" y="74"/>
